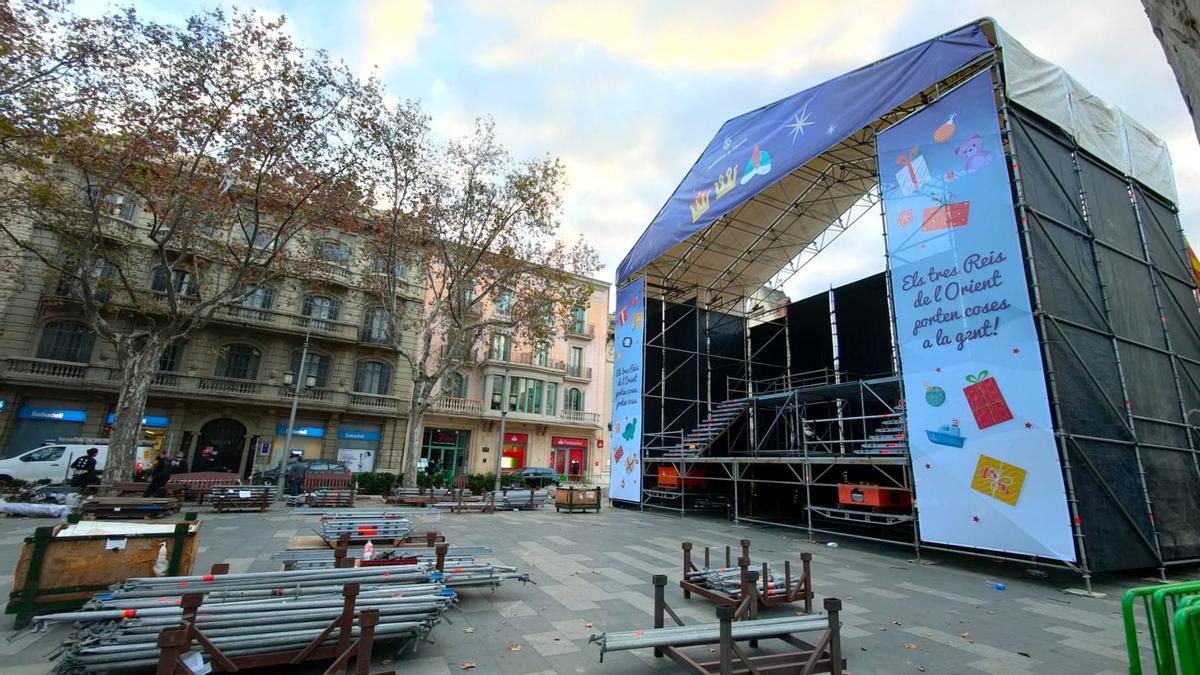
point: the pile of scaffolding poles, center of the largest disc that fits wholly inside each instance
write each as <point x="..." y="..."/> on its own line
<point x="422" y="554"/>
<point x="728" y="580"/>
<point x="364" y="529"/>
<point x="508" y="500"/>
<point x="702" y="634"/>
<point x="250" y="613"/>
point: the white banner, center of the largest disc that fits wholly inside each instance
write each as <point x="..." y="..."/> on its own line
<point x="982" y="443"/>
<point x="625" y="481"/>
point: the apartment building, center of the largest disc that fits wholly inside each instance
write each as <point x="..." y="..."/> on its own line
<point x="229" y="385"/>
<point x="555" y="397"/>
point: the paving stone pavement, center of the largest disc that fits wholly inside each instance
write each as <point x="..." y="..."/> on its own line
<point x="592" y="574"/>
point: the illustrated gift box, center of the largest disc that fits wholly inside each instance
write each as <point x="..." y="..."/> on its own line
<point x="945" y="217"/>
<point x="913" y="173"/>
<point x="986" y="402"/>
<point x="998" y="480"/>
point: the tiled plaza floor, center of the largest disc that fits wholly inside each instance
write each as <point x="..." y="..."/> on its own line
<point x="592" y="574"/>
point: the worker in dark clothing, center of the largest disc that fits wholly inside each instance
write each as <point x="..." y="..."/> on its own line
<point x="159" y="475"/>
<point x="84" y="467"/>
<point x="179" y="463"/>
<point x="295" y="475"/>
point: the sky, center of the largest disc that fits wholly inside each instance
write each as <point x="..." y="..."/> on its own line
<point x="627" y="94"/>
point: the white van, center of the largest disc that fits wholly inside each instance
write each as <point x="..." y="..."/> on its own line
<point x="51" y="462"/>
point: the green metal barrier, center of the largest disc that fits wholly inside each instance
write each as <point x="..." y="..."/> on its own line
<point x="1187" y="635"/>
<point x="1159" y="603"/>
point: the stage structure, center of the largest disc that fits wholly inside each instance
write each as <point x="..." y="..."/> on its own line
<point x="1022" y="381"/>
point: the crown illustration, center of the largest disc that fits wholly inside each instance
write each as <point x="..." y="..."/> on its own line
<point x="726" y="182"/>
<point x="699" y="204"/>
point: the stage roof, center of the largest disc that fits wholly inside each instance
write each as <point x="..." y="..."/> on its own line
<point x="772" y="181"/>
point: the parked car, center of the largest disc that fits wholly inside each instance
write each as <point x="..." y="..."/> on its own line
<point x="311" y="466"/>
<point x="532" y="476"/>
<point x="48" y="462"/>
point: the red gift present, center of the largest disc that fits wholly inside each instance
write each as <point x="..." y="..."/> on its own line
<point x="986" y="401"/>
<point x="945" y="217"/>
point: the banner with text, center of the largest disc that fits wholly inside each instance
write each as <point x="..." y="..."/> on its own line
<point x="625" y="481"/>
<point x="982" y="444"/>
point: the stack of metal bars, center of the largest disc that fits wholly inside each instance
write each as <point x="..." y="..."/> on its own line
<point x="245" y="614"/>
<point x="423" y="555"/>
<point x="365" y="529"/>
<point x="728" y="580"/>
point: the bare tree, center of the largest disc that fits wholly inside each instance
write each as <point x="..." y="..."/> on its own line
<point x="480" y="233"/>
<point x="1176" y="23"/>
<point x="204" y="158"/>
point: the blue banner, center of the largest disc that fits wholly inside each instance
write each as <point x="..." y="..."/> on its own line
<point x="982" y="442"/>
<point x="356" y="435"/>
<point x="148" y="421"/>
<point x="754" y="150"/>
<point x="625" y="479"/>
<point x="310" y="432"/>
<point x="53" y="414"/>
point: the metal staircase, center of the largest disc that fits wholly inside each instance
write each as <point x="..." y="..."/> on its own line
<point x="888" y="438"/>
<point x="719" y="419"/>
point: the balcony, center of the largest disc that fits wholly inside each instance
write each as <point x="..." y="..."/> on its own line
<point x="229" y="385"/>
<point x="330" y="271"/>
<point x="578" y="329"/>
<point x="457" y="406"/>
<point x="577" y="372"/>
<point x="537" y="361"/>
<point x="376" y="402"/>
<point x="310" y="394"/>
<point x="374" y="336"/>
<point x="274" y="320"/>
<point x="27" y="368"/>
<point x="580" y="417"/>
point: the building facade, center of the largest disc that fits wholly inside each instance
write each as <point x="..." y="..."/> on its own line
<point x="228" y="385"/>
<point x="556" y="397"/>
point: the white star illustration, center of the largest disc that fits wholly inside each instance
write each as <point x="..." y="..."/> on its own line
<point x="830" y="130"/>
<point x="799" y="122"/>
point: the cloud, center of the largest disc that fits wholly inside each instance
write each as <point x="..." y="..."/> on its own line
<point x="392" y="31"/>
<point x="709" y="36"/>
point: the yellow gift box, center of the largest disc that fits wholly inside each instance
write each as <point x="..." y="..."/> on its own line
<point x="998" y="480"/>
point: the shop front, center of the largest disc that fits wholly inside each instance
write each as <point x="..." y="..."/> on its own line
<point x="153" y="436"/>
<point x="358" y="446"/>
<point x="36" y="424"/>
<point x="515" y="447"/>
<point x="307" y="438"/>
<point x="568" y="457"/>
<point x="446" y="450"/>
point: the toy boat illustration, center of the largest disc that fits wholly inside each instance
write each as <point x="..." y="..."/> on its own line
<point x="947" y="434"/>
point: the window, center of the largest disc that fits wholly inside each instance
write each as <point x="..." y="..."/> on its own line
<point x="321" y="307"/>
<point x="504" y="303"/>
<point x="456" y="385"/>
<point x="578" y="320"/>
<point x="525" y="395"/>
<point x="238" y="361"/>
<point x="257" y="236"/>
<point x="169" y="361"/>
<point x="574" y="400"/>
<point x="373" y="377"/>
<point x="541" y="355"/>
<point x="318" y="368"/>
<point x="331" y="250"/>
<point x="66" y="341"/>
<point x="181" y="280"/>
<point x="575" y="365"/>
<point x="113" y="204"/>
<point x="551" y="397"/>
<point x="380" y="266"/>
<point x="497" y="391"/>
<point x="101" y="279"/>
<point x="501" y="347"/>
<point x="263" y="297"/>
<point x="375" y="328"/>
<point x="49" y="454"/>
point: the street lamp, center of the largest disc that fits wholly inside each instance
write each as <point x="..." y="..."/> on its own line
<point x="503" y="417"/>
<point x="289" y="380"/>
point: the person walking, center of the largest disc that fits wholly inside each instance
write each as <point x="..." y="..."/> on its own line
<point x="159" y="475"/>
<point x="84" y="467"/>
<point x="295" y="475"/>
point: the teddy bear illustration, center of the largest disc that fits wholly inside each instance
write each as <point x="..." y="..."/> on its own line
<point x="975" y="156"/>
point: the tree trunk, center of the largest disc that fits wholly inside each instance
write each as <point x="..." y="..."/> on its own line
<point x="131" y="405"/>
<point x="412" y="444"/>
<point x="1175" y="24"/>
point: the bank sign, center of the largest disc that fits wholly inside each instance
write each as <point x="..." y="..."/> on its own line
<point x="982" y="442"/>
<point x="625" y="481"/>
